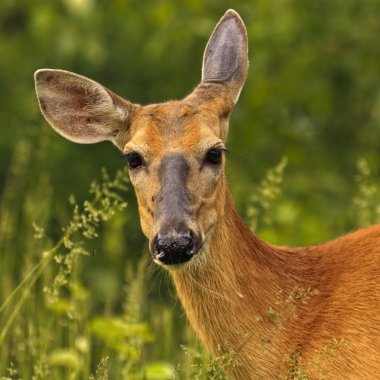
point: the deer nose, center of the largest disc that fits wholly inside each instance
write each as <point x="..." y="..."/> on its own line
<point x="174" y="249"/>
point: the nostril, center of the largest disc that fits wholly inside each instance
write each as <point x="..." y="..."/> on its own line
<point x="185" y="242"/>
<point x="174" y="243"/>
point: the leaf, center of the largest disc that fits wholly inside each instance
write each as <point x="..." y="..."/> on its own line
<point x="120" y="335"/>
<point x="65" y="358"/>
<point x="158" y="371"/>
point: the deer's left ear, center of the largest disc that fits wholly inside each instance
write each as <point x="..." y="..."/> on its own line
<point x="81" y="109"/>
<point x="225" y="59"/>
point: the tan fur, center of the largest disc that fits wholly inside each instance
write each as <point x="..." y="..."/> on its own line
<point x="237" y="290"/>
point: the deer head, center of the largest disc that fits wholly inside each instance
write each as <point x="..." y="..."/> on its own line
<point x="174" y="150"/>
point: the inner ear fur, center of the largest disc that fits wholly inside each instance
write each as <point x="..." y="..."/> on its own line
<point x="81" y="109"/>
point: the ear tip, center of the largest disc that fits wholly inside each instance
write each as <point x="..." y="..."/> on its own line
<point x="45" y="75"/>
<point x="231" y="13"/>
<point x="38" y="74"/>
<point x="42" y="75"/>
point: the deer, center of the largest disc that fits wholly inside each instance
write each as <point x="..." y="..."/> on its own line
<point x="281" y="311"/>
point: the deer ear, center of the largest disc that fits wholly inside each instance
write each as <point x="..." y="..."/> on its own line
<point x="225" y="58"/>
<point x="81" y="109"/>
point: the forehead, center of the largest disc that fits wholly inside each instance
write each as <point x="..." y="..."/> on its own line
<point x="173" y="126"/>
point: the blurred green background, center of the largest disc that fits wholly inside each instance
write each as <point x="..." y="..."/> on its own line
<point x="312" y="95"/>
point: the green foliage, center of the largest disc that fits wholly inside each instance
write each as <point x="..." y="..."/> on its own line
<point x="116" y="332"/>
<point x="366" y="201"/>
<point x="106" y="201"/>
<point x="202" y="366"/>
<point x="101" y="372"/>
<point x="12" y="373"/>
<point x="125" y="335"/>
<point x="158" y="371"/>
<point x="285" y="307"/>
<point x="283" y="310"/>
<point x="264" y="196"/>
<point x="299" y="369"/>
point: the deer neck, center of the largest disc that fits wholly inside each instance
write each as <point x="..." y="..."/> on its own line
<point x="233" y="286"/>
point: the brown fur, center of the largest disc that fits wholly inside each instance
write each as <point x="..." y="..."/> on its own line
<point x="231" y="289"/>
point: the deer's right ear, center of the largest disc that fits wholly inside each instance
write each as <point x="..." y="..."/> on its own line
<point x="81" y="109"/>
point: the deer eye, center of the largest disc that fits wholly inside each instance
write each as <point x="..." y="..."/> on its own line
<point x="214" y="156"/>
<point x="134" y="160"/>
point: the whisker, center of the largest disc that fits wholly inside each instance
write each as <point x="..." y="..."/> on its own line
<point x="161" y="274"/>
<point x="154" y="271"/>
<point x="228" y="280"/>
<point x="208" y="290"/>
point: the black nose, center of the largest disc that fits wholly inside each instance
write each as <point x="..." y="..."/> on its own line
<point x="174" y="249"/>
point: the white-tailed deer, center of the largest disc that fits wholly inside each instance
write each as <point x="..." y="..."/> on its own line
<point x="283" y="311"/>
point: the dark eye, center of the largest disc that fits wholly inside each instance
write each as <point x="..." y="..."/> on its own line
<point x="134" y="160"/>
<point x="214" y="156"/>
